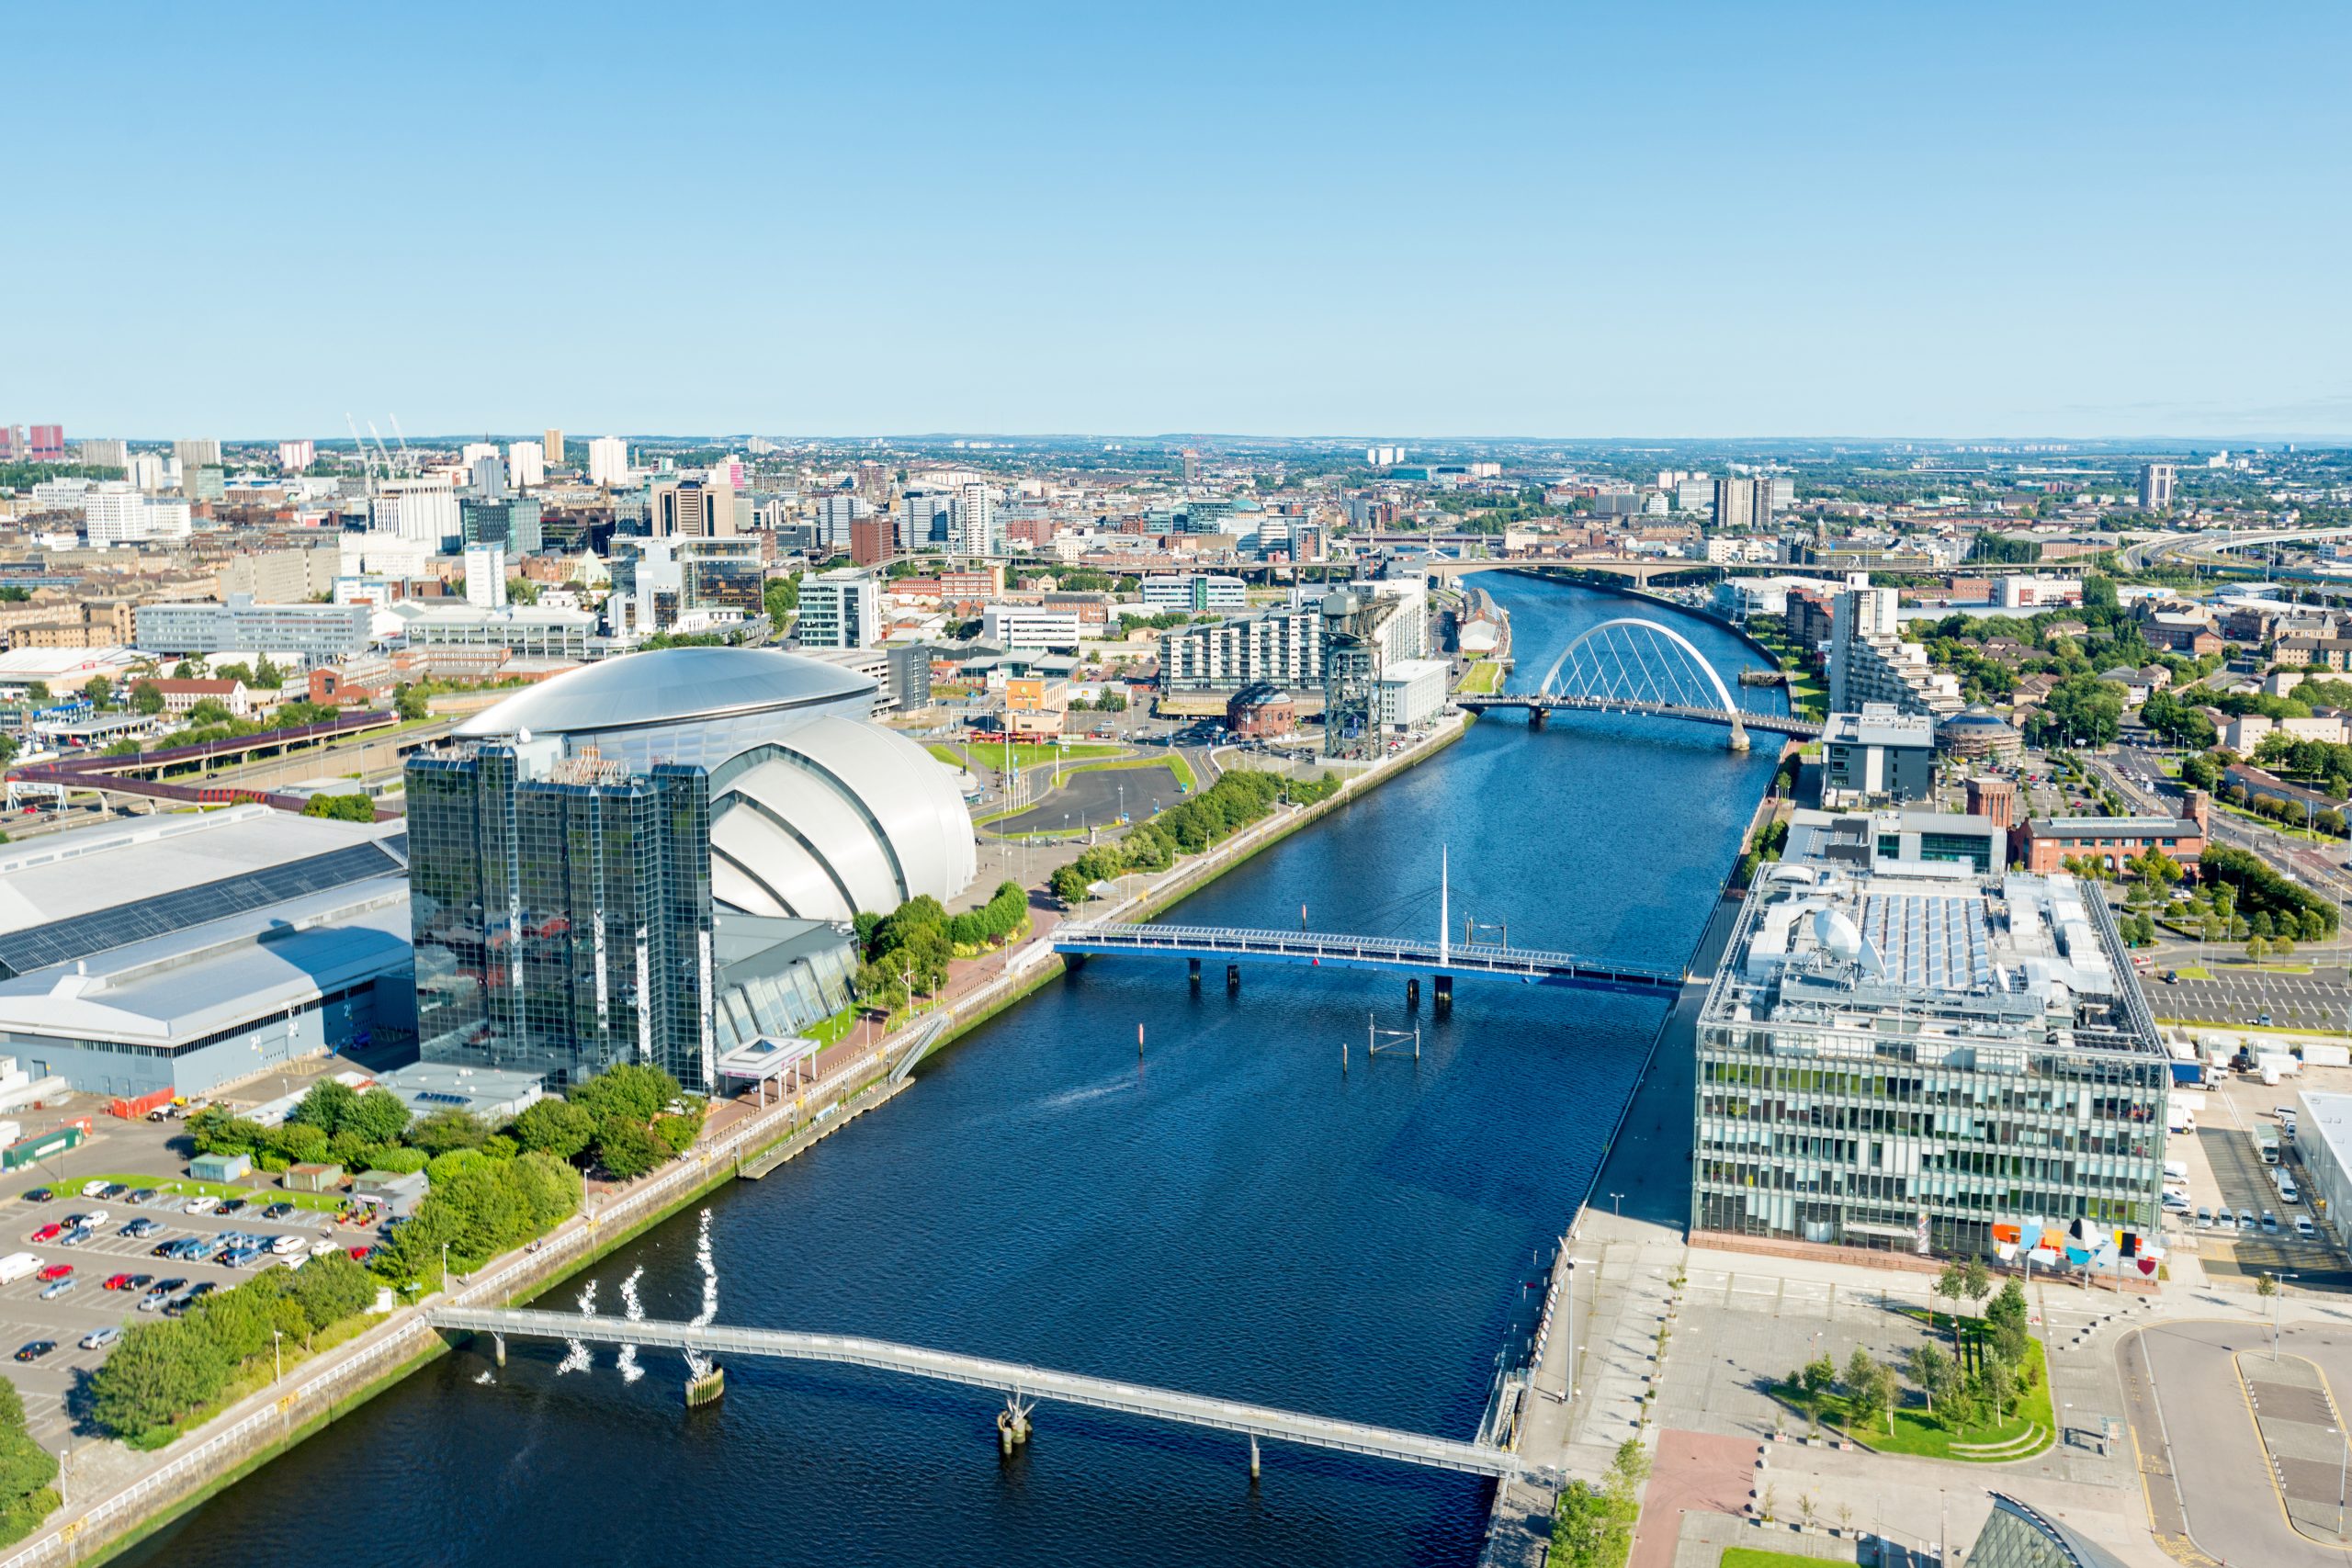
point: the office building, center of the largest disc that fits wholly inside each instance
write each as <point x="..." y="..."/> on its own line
<point x="514" y="522"/>
<point x="288" y="634"/>
<point x="836" y="515"/>
<point x="526" y="466"/>
<point x="609" y="462"/>
<point x="1411" y="693"/>
<point x="187" y="951"/>
<point x="2034" y="590"/>
<point x="1029" y="625"/>
<point x="424" y="510"/>
<point x="487" y="476"/>
<point x="2048" y="843"/>
<point x="551" y="450"/>
<point x="873" y="541"/>
<point x="528" y="631"/>
<point x="534" y="955"/>
<point x="1914" y="1057"/>
<point x="842" y="608"/>
<point x="1198" y="591"/>
<point x="690" y="509"/>
<point x="1879" y="753"/>
<point x="203" y="484"/>
<point x="927" y="518"/>
<point x="1892" y="838"/>
<point x="1869" y="662"/>
<point x="2156" y="481"/>
<point x="672" y="584"/>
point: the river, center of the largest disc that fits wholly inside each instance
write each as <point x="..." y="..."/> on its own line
<point x="1230" y="1215"/>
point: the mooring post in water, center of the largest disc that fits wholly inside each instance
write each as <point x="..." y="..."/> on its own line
<point x="1444" y="995"/>
<point x="706" y="1389"/>
<point x="1193" y="967"/>
<point x="1233" y="979"/>
<point x="498" y="1346"/>
<point x="1138" y="1042"/>
<point x="1012" y="1423"/>
<point x="1254" y="1456"/>
<point x="1413" y="992"/>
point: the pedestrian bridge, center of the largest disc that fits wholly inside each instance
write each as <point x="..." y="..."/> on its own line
<point x="1019" y="1382"/>
<point x="1329" y="950"/>
<point x="1632" y="664"/>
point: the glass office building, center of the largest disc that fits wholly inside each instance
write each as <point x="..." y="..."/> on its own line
<point x="562" y="912"/>
<point x="1908" y="1054"/>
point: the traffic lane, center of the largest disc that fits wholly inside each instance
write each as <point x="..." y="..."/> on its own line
<point x="2216" y="1454"/>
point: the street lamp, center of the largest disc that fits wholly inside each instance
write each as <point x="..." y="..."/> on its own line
<point x="2275" y="1298"/>
<point x="1618" y="1199"/>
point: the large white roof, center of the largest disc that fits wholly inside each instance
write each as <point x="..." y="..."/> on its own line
<point x="667" y="686"/>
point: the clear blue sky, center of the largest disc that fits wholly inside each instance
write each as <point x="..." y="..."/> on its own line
<point x="1555" y="220"/>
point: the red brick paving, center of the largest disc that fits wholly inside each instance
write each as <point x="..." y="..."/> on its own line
<point x="1692" y="1473"/>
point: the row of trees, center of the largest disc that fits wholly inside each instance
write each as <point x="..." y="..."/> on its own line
<point x="2260" y="889"/>
<point x="1978" y="1382"/>
<point x="163" y="1371"/>
<point x="625" y="1121"/>
<point x="1238" y="798"/>
<point x="1592" y="1523"/>
<point x="912" y="944"/>
<point x="26" y="1470"/>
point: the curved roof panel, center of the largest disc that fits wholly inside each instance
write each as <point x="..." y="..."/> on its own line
<point x="910" y="799"/>
<point x="667" y="686"/>
<point x="806" y="808"/>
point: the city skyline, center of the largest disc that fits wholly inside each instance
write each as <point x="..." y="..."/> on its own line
<point x="1829" y="223"/>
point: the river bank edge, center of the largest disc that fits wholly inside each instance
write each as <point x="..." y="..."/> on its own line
<point x="1204" y="871"/>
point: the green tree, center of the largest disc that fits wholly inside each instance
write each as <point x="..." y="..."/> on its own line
<point x="146" y="697"/>
<point x="409" y="702"/>
<point x="447" y="1130"/>
<point x="555" y="1127"/>
<point x="627" y="1151"/>
<point x="326" y="1106"/>
<point x="156" y="1374"/>
<point x="1952" y="1285"/>
<point x="1931" y="1370"/>
<point x="1871" y="1388"/>
<point x="377" y="1115"/>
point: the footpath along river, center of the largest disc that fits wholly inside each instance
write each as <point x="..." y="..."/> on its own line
<point x="1232" y="1216"/>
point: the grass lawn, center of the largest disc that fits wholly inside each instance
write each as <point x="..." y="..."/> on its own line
<point x="1483" y="679"/>
<point x="325" y="1202"/>
<point x="1026" y="754"/>
<point x="2194" y="972"/>
<point x="836" y="1027"/>
<point x="1750" y="1557"/>
<point x="1916" y="1432"/>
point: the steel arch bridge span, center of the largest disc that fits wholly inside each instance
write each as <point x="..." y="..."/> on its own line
<point x="1622" y="659"/>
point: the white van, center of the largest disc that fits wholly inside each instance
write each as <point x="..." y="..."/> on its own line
<point x="2175" y="1170"/>
<point x="19" y="1266"/>
<point x="2287" y="1191"/>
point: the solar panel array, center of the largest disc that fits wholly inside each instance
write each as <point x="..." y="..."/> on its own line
<point x="1941" y="943"/>
<point x="101" y="931"/>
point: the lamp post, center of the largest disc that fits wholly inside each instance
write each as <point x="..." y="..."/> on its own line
<point x="276" y="1355"/>
<point x="2275" y="1298"/>
<point x="1618" y="1200"/>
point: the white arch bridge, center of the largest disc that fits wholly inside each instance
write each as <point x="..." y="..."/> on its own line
<point x="1632" y="665"/>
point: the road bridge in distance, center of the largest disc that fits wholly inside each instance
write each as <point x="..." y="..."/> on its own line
<point x="1021" y="1384"/>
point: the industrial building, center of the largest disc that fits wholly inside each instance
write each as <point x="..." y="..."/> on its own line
<point x="1915" y="1056"/>
<point x="189" y="951"/>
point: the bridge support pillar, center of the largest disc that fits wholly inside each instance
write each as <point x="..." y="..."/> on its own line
<point x="498" y="1347"/>
<point x="1253" y="1457"/>
<point x="706" y="1389"/>
<point x="1413" y="992"/>
<point x="1444" y="995"/>
<point x="1012" y="1423"/>
<point x="1233" y="979"/>
<point x="1539" y="718"/>
<point x="1193" y="967"/>
<point x="1738" y="737"/>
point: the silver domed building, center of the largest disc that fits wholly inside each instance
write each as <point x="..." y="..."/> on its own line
<point x="816" y="812"/>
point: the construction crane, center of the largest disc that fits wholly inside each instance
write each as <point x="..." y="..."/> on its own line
<point x="388" y="470"/>
<point x="408" y="464"/>
<point x="366" y="463"/>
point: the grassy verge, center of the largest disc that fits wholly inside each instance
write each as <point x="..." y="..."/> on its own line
<point x="836" y="1029"/>
<point x="1925" y="1435"/>
<point x="318" y="1202"/>
<point x="1025" y="754"/>
<point x="1751" y="1557"/>
<point x="1483" y="679"/>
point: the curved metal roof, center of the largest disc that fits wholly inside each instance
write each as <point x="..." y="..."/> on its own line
<point x="667" y="686"/>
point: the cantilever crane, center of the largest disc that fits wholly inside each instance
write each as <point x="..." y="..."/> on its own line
<point x="366" y="463"/>
<point x="408" y="463"/>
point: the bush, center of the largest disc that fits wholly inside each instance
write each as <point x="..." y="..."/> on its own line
<point x="341" y="807"/>
<point x="555" y="1127"/>
<point x="26" y="1470"/>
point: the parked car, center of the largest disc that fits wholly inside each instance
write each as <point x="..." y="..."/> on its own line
<point x="93" y="1188"/>
<point x="2304" y="1229"/>
<point x="234" y="1206"/>
<point x="34" y="1349"/>
<point x="140" y="1229"/>
<point x="2270" y="1223"/>
<point x="75" y="1236"/>
<point x="99" y="1338"/>
<point x="56" y="1271"/>
<point x="49" y="1231"/>
<point x="145" y="1195"/>
<point x="95" y="1218"/>
<point x="2204" y="1219"/>
<point x="278" y="1210"/>
<point x="39" y="1195"/>
<point x="116" y="1283"/>
<point x="202" y="1204"/>
<point x="114" y="1189"/>
<point x="59" y="1289"/>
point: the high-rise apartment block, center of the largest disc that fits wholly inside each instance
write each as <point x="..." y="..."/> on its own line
<point x="842" y="608"/>
<point x="1869" y="662"/>
<point x="2156" y="486"/>
<point x="296" y="456"/>
<point x="552" y="449"/>
<point x="976" y="533"/>
<point x="527" y="464"/>
<point x="201" y="452"/>
<point x="46" y="444"/>
<point x="101" y="454"/>
<point x="562" y="910"/>
<point x="609" y="462"/>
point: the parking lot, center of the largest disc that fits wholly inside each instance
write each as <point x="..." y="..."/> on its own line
<point x="2241" y="993"/>
<point x="2224" y="1173"/>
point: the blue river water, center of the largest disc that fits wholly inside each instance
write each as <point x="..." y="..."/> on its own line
<point x="1230" y="1215"/>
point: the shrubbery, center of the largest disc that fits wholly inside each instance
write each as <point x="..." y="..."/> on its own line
<point x="1238" y="799"/>
<point x="26" y="1470"/>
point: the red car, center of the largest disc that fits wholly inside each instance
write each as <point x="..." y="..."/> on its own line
<point x="49" y="1231"/>
<point x="119" y="1282"/>
<point x="359" y="1254"/>
<point x="57" y="1271"/>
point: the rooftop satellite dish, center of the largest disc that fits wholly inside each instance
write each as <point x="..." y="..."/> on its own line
<point x="523" y="735"/>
